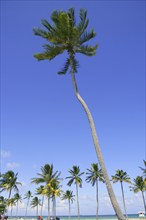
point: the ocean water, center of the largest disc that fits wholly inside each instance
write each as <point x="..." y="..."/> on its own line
<point x="82" y="217"/>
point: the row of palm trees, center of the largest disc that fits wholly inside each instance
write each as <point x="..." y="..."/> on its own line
<point x="50" y="187"/>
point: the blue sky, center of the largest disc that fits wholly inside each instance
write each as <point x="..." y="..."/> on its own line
<point x="41" y="120"/>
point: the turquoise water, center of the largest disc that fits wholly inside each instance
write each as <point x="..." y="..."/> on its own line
<point x="83" y="217"/>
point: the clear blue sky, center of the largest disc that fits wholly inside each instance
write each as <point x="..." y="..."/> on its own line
<point x="41" y="120"/>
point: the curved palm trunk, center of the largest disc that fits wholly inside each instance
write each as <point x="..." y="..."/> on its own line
<point x="98" y="151"/>
<point x="97" y="199"/>
<point x="78" y="202"/>
<point x="144" y="202"/>
<point x="124" y="200"/>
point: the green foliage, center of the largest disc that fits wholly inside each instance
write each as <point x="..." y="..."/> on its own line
<point x="94" y="174"/>
<point x="65" y="35"/>
<point x="121" y="176"/>
<point x="75" y="176"/>
<point x="139" y="184"/>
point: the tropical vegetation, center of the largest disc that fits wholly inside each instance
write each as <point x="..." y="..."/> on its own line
<point x="48" y="185"/>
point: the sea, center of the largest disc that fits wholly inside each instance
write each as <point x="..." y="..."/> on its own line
<point x="82" y="217"/>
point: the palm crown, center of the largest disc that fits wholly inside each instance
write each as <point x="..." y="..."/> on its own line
<point x="121" y="176"/>
<point x="75" y="176"/>
<point x="94" y="174"/>
<point x="65" y="35"/>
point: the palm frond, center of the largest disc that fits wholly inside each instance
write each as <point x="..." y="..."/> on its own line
<point x="40" y="32"/>
<point x="83" y="21"/>
<point x="65" y="68"/>
<point x="87" y="36"/>
<point x="87" y="50"/>
<point x="47" y="25"/>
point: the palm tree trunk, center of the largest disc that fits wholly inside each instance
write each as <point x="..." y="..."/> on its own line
<point x="144" y="202"/>
<point x="17" y="210"/>
<point x="27" y="208"/>
<point x="42" y="205"/>
<point x="97" y="199"/>
<point x="54" y="208"/>
<point x="78" y="202"/>
<point x="98" y="151"/>
<point x="124" y="200"/>
<point x="69" y="208"/>
<point x="49" y="208"/>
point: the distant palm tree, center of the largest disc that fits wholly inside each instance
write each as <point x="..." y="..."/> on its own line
<point x="70" y="197"/>
<point x="28" y="196"/>
<point x="75" y="178"/>
<point x="35" y="203"/>
<point x="8" y="182"/>
<point x="65" y="35"/>
<point x="11" y="203"/>
<point x="17" y="199"/>
<point x="54" y="186"/>
<point x="41" y="191"/>
<point x="121" y="177"/>
<point x="140" y="185"/>
<point x="94" y="175"/>
<point x="3" y="205"/>
<point x="144" y="169"/>
<point x="46" y="175"/>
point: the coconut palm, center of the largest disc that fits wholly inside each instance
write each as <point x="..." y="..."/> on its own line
<point x="70" y="197"/>
<point x="28" y="196"/>
<point x="139" y="185"/>
<point x="121" y="177"/>
<point x="94" y="175"/>
<point x="35" y="203"/>
<point x="11" y="203"/>
<point x="17" y="199"/>
<point x="65" y="35"/>
<point x="41" y="191"/>
<point x="144" y="169"/>
<point x="46" y="176"/>
<point x="75" y="178"/>
<point x="3" y="205"/>
<point x="54" y="186"/>
<point x="8" y="182"/>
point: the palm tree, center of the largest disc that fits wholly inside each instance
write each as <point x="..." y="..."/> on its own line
<point x="41" y="191"/>
<point x="70" y="197"/>
<point x="75" y="178"/>
<point x="66" y="35"/>
<point x="94" y="175"/>
<point x="8" y="182"/>
<point x="28" y="195"/>
<point x="11" y="202"/>
<point x="3" y="205"/>
<point x="144" y="169"/>
<point x="46" y="176"/>
<point x="121" y="177"/>
<point x="35" y="203"/>
<point x="55" y="191"/>
<point x="140" y="185"/>
<point x="17" y="199"/>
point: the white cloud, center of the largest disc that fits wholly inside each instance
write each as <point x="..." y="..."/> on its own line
<point x="4" y="154"/>
<point x="12" y="165"/>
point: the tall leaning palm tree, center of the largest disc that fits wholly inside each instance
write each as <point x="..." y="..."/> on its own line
<point x="70" y="197"/>
<point x="75" y="178"/>
<point x="65" y="35"/>
<point x="139" y="185"/>
<point x="28" y="196"/>
<point x="8" y="182"/>
<point x="121" y="177"/>
<point x="94" y="175"/>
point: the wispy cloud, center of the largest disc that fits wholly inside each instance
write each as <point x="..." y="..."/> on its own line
<point x="12" y="165"/>
<point x="4" y="154"/>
